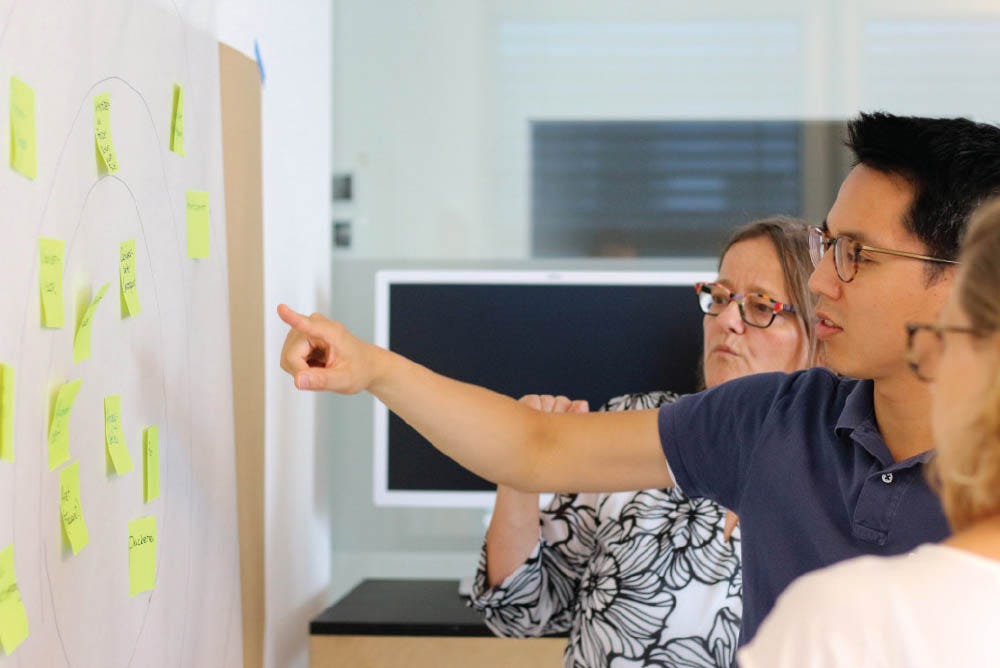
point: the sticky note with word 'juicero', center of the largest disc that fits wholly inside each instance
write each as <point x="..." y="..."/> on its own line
<point x="141" y="555"/>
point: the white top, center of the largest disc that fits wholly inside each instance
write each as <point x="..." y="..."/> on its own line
<point x="937" y="606"/>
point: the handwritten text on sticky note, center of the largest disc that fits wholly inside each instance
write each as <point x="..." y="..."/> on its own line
<point x="151" y="463"/>
<point x="126" y="274"/>
<point x="71" y="509"/>
<point x="13" y="617"/>
<point x="59" y="426"/>
<point x="108" y="161"/>
<point x="177" y="121"/>
<point x="197" y="224"/>
<point x="114" y="435"/>
<point x="141" y="555"/>
<point x="81" y="340"/>
<point x="23" y="151"/>
<point x="51" y="254"/>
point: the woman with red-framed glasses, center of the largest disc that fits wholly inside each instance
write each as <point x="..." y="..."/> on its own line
<point x="652" y="573"/>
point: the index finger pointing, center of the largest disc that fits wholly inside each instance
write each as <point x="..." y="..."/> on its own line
<point x="296" y="320"/>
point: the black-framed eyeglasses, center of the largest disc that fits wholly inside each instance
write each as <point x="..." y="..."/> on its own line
<point x="847" y="253"/>
<point x="756" y="309"/>
<point x="925" y="346"/>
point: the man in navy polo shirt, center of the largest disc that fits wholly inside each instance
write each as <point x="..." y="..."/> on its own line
<point x="819" y="468"/>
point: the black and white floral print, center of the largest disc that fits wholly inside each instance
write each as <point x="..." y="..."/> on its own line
<point x="636" y="579"/>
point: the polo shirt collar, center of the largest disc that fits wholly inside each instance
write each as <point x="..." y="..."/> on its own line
<point x="857" y="421"/>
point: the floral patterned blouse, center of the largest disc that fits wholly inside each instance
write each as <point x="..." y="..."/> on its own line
<point x="636" y="578"/>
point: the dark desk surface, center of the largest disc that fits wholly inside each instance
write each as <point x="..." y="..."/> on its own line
<point x="401" y="608"/>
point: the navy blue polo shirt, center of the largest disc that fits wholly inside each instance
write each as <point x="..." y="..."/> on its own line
<point x="800" y="459"/>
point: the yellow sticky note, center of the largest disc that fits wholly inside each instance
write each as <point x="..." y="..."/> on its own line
<point x="197" y="224"/>
<point x="141" y="555"/>
<point x="126" y="273"/>
<point x="177" y="121"/>
<point x="23" y="152"/>
<point x="107" y="161"/>
<point x="51" y="253"/>
<point x="13" y="617"/>
<point x="81" y="340"/>
<point x="59" y="426"/>
<point x="150" y="463"/>
<point x="70" y="508"/>
<point x="7" y="412"/>
<point x="114" y="436"/>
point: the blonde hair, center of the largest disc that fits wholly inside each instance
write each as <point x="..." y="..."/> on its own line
<point x="968" y="476"/>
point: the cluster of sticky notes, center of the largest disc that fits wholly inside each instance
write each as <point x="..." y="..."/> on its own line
<point x="141" y="555"/>
<point x="6" y="412"/>
<point x="70" y="508"/>
<point x="23" y="152"/>
<point x="13" y="617"/>
<point x="51" y="254"/>
<point x="197" y="224"/>
<point x="150" y="464"/>
<point x="177" y="121"/>
<point x="114" y="435"/>
<point x="106" y="158"/>
<point x="81" y="340"/>
<point x="59" y="425"/>
<point x="126" y="279"/>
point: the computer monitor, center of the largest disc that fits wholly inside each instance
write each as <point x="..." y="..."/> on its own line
<point x="588" y="335"/>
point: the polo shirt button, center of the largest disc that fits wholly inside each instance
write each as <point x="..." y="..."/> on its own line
<point x="887" y="478"/>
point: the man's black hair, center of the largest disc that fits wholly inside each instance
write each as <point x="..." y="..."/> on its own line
<point x="953" y="165"/>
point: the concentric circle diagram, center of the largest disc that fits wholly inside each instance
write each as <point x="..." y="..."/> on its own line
<point x="165" y="356"/>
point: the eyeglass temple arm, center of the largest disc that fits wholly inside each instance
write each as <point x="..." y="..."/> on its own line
<point x="916" y="256"/>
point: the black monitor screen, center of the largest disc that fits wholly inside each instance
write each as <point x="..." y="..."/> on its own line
<point x="586" y="341"/>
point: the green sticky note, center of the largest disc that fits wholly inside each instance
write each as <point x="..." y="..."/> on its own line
<point x="7" y="412"/>
<point x="141" y="555"/>
<point x="51" y="253"/>
<point x="150" y="464"/>
<point x="126" y="275"/>
<point x="114" y="436"/>
<point x="197" y="224"/>
<point x="59" y="426"/>
<point x="107" y="161"/>
<point x="13" y="617"/>
<point x="23" y="150"/>
<point x="177" y="121"/>
<point x="81" y="340"/>
<point x="74" y="528"/>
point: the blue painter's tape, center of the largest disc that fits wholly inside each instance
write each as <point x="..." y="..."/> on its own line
<point x="260" y="63"/>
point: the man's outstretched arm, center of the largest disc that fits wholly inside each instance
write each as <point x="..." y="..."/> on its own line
<point x="490" y="434"/>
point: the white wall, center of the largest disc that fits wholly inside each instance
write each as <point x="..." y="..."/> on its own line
<point x="295" y="43"/>
<point x="413" y="129"/>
